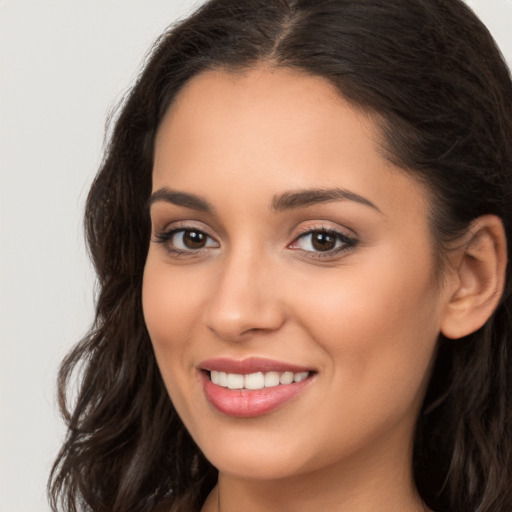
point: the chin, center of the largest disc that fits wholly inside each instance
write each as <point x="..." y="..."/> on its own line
<point x="266" y="467"/>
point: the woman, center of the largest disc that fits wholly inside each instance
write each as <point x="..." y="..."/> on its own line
<point x="300" y="232"/>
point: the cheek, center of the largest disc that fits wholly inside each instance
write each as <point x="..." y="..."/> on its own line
<point x="379" y="325"/>
<point x="169" y="300"/>
<point x="168" y="296"/>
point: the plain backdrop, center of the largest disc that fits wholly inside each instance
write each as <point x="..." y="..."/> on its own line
<point x="63" y="65"/>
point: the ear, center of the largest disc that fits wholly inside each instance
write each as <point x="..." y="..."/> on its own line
<point x="479" y="269"/>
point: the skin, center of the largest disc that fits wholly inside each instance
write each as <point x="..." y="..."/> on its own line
<point x="365" y="319"/>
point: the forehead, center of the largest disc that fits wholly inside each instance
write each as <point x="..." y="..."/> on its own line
<point x="228" y="114"/>
<point x="256" y="85"/>
<point x="271" y="128"/>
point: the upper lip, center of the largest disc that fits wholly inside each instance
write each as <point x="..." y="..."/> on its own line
<point x="250" y="365"/>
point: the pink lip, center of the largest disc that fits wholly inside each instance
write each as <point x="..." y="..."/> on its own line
<point x="250" y="365"/>
<point x="250" y="403"/>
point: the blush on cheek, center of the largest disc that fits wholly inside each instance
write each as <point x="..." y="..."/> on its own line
<point x="170" y="315"/>
<point x="160" y="302"/>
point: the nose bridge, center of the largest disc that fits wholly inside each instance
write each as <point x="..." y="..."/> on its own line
<point x="245" y="299"/>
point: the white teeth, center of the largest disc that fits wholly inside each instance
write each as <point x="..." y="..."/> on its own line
<point x="286" y="378"/>
<point x="235" y="381"/>
<point x="255" y="381"/>
<point x="223" y="379"/>
<point x="300" y="376"/>
<point x="271" y="379"/>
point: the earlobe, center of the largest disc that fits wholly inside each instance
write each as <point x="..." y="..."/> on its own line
<point x="480" y="272"/>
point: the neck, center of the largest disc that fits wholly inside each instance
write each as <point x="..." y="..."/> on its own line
<point x="334" y="490"/>
<point x="230" y="496"/>
<point x="378" y="477"/>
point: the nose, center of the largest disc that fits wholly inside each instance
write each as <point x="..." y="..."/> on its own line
<point x="246" y="300"/>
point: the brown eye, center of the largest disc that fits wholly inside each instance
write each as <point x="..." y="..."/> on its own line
<point x="323" y="241"/>
<point x="194" y="239"/>
<point x="186" y="240"/>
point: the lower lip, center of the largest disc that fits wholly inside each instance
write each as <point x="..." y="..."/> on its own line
<point x="244" y="403"/>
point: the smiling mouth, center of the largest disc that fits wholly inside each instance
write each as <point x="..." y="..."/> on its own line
<point x="257" y="380"/>
<point x="254" y="386"/>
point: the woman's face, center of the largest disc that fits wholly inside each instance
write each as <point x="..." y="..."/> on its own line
<point x="285" y="247"/>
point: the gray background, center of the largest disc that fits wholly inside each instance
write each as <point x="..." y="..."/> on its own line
<point x="63" y="65"/>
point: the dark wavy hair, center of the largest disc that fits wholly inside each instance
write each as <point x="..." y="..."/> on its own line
<point x="432" y="74"/>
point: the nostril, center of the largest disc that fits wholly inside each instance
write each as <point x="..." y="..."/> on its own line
<point x="243" y="325"/>
<point x="242" y="303"/>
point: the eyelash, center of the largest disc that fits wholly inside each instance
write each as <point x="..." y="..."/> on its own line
<point x="165" y="238"/>
<point x="346" y="242"/>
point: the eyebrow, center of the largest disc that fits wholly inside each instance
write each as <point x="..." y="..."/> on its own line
<point x="185" y="199"/>
<point x="285" y="201"/>
<point x="303" y="198"/>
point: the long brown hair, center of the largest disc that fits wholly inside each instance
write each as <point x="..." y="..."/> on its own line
<point x="432" y="72"/>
